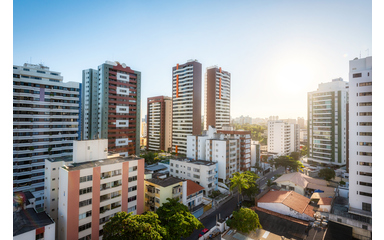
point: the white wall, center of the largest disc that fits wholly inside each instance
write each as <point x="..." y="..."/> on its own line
<point x="63" y="203"/>
<point x="90" y="150"/>
<point x="283" y="209"/>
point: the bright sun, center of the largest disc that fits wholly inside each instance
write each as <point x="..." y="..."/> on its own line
<point x="294" y="76"/>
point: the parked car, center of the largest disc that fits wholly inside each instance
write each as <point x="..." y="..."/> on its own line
<point x="204" y="231"/>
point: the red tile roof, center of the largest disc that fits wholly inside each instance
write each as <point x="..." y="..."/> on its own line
<point x="193" y="187"/>
<point x="290" y="199"/>
<point x="325" y="201"/>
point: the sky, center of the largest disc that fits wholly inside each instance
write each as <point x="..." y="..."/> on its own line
<point x="276" y="51"/>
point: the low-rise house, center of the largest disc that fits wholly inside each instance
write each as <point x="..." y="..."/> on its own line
<point x="302" y="183"/>
<point x="204" y="173"/>
<point x="287" y="203"/>
<point x="194" y="200"/>
<point x="159" y="187"/>
<point x="28" y="224"/>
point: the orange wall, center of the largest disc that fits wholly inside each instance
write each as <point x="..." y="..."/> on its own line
<point x="73" y="204"/>
<point x="124" y="187"/>
<point x="140" y="186"/>
<point x="95" y="202"/>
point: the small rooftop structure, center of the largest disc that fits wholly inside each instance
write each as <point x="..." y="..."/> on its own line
<point x="163" y="181"/>
<point x="102" y="162"/>
<point x="302" y="180"/>
<point x="291" y="199"/>
<point x="28" y="219"/>
<point x="193" y="187"/>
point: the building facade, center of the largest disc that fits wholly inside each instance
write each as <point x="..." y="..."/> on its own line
<point x="360" y="136"/>
<point x="94" y="188"/>
<point x="217" y="98"/>
<point x="283" y="137"/>
<point x="244" y="138"/>
<point x="159" y="126"/>
<point x="255" y="153"/>
<point x="113" y="111"/>
<point x="46" y="115"/>
<point x="327" y="123"/>
<point x="204" y="173"/>
<point x="186" y="103"/>
<point x="215" y="147"/>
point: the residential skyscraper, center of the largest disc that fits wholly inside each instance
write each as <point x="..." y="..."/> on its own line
<point x="45" y="122"/>
<point x="283" y="137"/>
<point x="360" y="136"/>
<point x="327" y="123"/>
<point x="186" y="103"/>
<point x="111" y="103"/>
<point x="217" y="98"/>
<point x="159" y="123"/>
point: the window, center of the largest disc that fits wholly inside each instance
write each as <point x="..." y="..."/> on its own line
<point x="189" y="168"/>
<point x="85" y="190"/>
<point x="362" y="94"/>
<point x="131" y="179"/>
<point x="130" y="199"/>
<point x="85" y="226"/>
<point x="134" y="188"/>
<point x="365" y="227"/>
<point x="365" y="184"/>
<point x="365" y="134"/>
<point x="85" y="202"/>
<point x="131" y="169"/>
<point x="356" y="75"/>
<point x="86" y="178"/>
<point x="365" y="194"/>
<point x="365" y="144"/>
<point x="85" y="215"/>
<point x="131" y="209"/>
<point x="365" y="153"/>
<point x="368" y="174"/>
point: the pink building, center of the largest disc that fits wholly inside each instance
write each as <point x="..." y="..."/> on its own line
<point x="93" y="191"/>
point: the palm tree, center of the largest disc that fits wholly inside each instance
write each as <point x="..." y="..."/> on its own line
<point x="240" y="182"/>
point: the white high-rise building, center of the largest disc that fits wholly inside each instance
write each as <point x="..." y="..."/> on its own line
<point x="186" y="104"/>
<point x="360" y="136"/>
<point x="215" y="147"/>
<point x="45" y="122"/>
<point x="283" y="137"/>
<point x="327" y="123"/>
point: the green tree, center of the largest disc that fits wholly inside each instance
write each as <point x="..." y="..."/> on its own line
<point x="304" y="151"/>
<point x="127" y="226"/>
<point x="240" y="182"/>
<point x="287" y="161"/>
<point x="177" y="219"/>
<point x="295" y="155"/>
<point x="327" y="173"/>
<point x="253" y="187"/>
<point x="244" y="220"/>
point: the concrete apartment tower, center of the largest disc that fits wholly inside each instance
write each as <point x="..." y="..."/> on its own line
<point x="360" y="136"/>
<point x="283" y="137"/>
<point x="111" y="103"/>
<point x="159" y="126"/>
<point x="45" y="122"/>
<point x="327" y="123"/>
<point x="217" y="98"/>
<point x="186" y="103"/>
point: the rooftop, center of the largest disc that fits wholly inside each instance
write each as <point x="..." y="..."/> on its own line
<point x="59" y="159"/>
<point x="197" y="162"/>
<point x="97" y="163"/>
<point x="155" y="167"/>
<point x="164" y="182"/>
<point x="301" y="179"/>
<point x="27" y="220"/>
<point x="290" y="199"/>
<point x="193" y="187"/>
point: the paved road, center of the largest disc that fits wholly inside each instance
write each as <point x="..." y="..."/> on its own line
<point x="209" y="221"/>
<point x="263" y="180"/>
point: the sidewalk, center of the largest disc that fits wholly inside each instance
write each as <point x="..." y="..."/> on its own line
<point x="215" y="207"/>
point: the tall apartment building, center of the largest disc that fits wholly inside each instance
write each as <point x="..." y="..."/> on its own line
<point x="144" y="129"/>
<point x="95" y="187"/>
<point x="159" y="123"/>
<point x="217" y="98"/>
<point x="255" y="153"/>
<point x="215" y="147"/>
<point x="327" y="123"/>
<point x="45" y="122"/>
<point x="186" y="103"/>
<point x="244" y="138"/>
<point x="360" y="136"/>
<point x="301" y="122"/>
<point x="283" y="137"/>
<point x="111" y="106"/>
<point x="204" y="173"/>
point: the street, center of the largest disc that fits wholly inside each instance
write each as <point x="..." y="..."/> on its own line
<point x="209" y="221"/>
<point x="263" y="180"/>
<point x="227" y="208"/>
